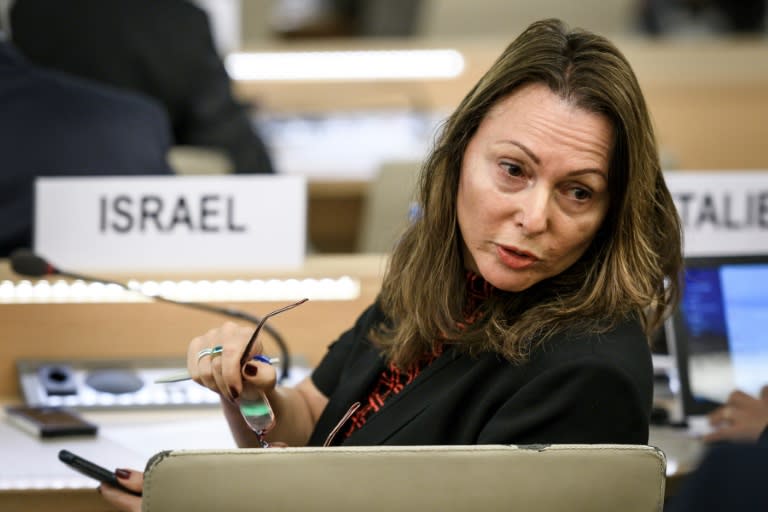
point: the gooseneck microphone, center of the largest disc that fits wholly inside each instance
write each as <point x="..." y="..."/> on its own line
<point x="27" y="263"/>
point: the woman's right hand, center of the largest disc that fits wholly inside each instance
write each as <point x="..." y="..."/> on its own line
<point x="222" y="372"/>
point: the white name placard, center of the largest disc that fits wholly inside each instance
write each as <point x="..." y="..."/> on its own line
<point x="171" y="223"/>
<point x="722" y="212"/>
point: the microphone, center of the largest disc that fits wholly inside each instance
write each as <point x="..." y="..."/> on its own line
<point x="27" y="263"/>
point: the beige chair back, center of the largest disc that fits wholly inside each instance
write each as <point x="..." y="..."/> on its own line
<point x="198" y="160"/>
<point x="594" y="478"/>
<point x="387" y="205"/>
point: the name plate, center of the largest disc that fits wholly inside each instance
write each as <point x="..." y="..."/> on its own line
<point x="723" y="213"/>
<point x="171" y="223"/>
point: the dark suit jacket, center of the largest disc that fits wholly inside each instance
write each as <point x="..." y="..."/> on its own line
<point x="54" y="125"/>
<point x="577" y="388"/>
<point x="731" y="477"/>
<point x="161" y="48"/>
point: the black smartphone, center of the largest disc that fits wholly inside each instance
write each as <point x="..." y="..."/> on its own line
<point x="50" y="421"/>
<point x="92" y="470"/>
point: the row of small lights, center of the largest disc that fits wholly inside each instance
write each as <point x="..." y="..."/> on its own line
<point x="163" y="397"/>
<point x="25" y="291"/>
<point x="74" y="482"/>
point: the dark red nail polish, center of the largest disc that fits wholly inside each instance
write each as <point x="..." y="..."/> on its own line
<point x="233" y="393"/>
<point x="123" y="473"/>
<point x="251" y="370"/>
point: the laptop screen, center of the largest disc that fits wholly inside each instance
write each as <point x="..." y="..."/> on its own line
<point x="719" y="334"/>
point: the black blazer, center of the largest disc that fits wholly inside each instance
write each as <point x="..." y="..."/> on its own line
<point x="55" y="125"/>
<point x="731" y="477"/>
<point x="577" y="388"/>
<point x="161" y="48"/>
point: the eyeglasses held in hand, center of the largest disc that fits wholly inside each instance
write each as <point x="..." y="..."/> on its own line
<point x="184" y="375"/>
<point x="254" y="405"/>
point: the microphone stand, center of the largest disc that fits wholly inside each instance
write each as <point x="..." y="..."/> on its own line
<point x="26" y="256"/>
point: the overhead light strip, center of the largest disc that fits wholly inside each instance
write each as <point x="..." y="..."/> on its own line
<point x="25" y="291"/>
<point x="346" y="65"/>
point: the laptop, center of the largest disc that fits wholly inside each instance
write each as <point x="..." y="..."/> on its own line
<point x="718" y="336"/>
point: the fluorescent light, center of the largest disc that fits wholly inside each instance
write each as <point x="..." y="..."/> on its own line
<point x="25" y="291"/>
<point x="345" y="65"/>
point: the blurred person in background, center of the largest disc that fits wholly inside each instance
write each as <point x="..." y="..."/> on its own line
<point x="296" y="19"/>
<point x="671" y="17"/>
<point x="161" y="48"/>
<point x="731" y="475"/>
<point x="53" y="124"/>
<point x="742" y="418"/>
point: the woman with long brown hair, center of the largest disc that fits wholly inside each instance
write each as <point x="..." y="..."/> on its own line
<point x="518" y="307"/>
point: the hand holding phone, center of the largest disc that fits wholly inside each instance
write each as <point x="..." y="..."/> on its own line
<point x="92" y="470"/>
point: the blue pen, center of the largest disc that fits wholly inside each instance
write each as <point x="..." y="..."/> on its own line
<point x="184" y="375"/>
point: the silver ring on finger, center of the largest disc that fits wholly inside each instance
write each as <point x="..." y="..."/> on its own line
<point x="204" y="352"/>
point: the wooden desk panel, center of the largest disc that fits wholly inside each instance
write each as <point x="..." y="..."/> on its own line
<point x="334" y="214"/>
<point x="711" y="126"/>
<point x="116" y="331"/>
<point x="146" y="329"/>
<point x="58" y="500"/>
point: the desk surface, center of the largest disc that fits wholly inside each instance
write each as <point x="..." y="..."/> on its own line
<point x="36" y="480"/>
<point x="128" y="438"/>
